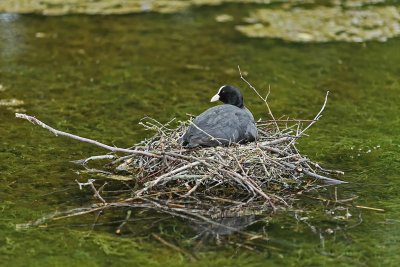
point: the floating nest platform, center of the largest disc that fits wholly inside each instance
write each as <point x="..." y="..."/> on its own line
<point x="203" y="184"/>
<point x="262" y="175"/>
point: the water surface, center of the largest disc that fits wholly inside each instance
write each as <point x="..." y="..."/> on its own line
<point x="97" y="76"/>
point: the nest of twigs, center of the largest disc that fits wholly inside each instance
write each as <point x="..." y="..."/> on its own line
<point x="204" y="183"/>
<point x="264" y="175"/>
<point x="221" y="181"/>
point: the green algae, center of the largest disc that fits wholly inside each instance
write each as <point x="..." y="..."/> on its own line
<point x="108" y="7"/>
<point x="295" y="21"/>
<point x="325" y="24"/>
<point x="169" y="65"/>
<point x="57" y="7"/>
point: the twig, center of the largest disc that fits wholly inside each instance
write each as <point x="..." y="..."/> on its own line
<point x="158" y="179"/>
<point x="287" y="120"/>
<point x="128" y="216"/>
<point x="90" y="183"/>
<point x="262" y="98"/>
<point x="317" y="117"/>
<point x="84" y="161"/>
<point x="370" y="208"/>
<point x="82" y="139"/>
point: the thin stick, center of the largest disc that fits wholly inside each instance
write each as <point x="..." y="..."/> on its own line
<point x="288" y="120"/>
<point x="156" y="181"/>
<point x="317" y="176"/>
<point x="83" y="211"/>
<point x="198" y="182"/>
<point x="263" y="99"/>
<point x="369" y="208"/>
<point x="83" y="139"/>
<point x="128" y="216"/>
<point x="317" y="117"/>
<point x="84" y="161"/>
<point x="90" y="183"/>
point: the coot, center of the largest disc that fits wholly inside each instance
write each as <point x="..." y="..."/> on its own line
<point x="223" y="125"/>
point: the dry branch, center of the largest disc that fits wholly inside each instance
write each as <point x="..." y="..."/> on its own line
<point x="82" y="139"/>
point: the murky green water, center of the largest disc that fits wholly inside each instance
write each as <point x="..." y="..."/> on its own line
<point x="98" y="76"/>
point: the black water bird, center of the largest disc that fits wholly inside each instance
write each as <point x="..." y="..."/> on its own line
<point x="222" y="125"/>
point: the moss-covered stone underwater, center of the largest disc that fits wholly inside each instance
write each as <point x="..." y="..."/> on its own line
<point x="98" y="76"/>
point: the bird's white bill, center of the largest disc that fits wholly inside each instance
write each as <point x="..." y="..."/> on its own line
<point x="215" y="98"/>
